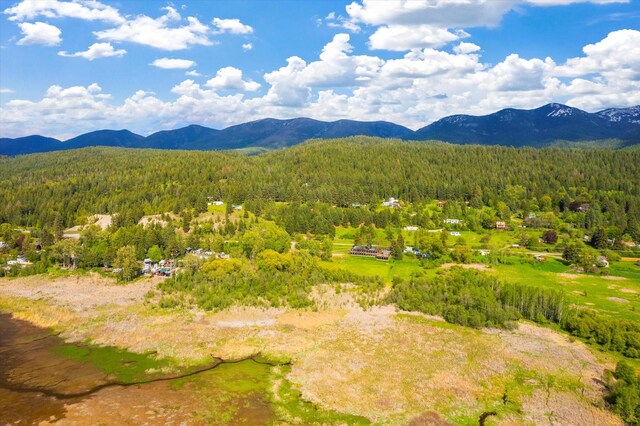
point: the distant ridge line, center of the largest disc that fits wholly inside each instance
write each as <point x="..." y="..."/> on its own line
<point x="511" y="127"/>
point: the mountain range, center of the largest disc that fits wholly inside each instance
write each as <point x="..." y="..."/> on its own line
<point x="549" y="124"/>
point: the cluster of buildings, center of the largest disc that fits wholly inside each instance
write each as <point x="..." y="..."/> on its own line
<point x="384" y="253"/>
<point x="164" y="268"/>
<point x="371" y="251"/>
<point x="207" y="254"/>
<point x="416" y="252"/>
<point x="212" y="202"/>
<point x="21" y="262"/>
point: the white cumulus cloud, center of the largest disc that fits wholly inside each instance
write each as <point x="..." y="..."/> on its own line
<point x="403" y="37"/>
<point x="95" y="51"/>
<point x="168" y="32"/>
<point x="466" y="48"/>
<point x="230" y="78"/>
<point x="39" y="33"/>
<point x="415" y="24"/>
<point x="247" y="46"/>
<point x="87" y="10"/>
<point x="231" y="26"/>
<point x="173" y="64"/>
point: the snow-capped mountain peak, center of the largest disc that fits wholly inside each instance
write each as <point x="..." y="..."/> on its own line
<point x="617" y="115"/>
<point x="558" y="110"/>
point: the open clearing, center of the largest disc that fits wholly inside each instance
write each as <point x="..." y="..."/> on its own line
<point x="388" y="366"/>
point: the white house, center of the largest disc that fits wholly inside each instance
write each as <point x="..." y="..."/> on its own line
<point x="410" y="228"/>
<point x="452" y="221"/>
<point x="455" y="233"/>
<point x="391" y="202"/>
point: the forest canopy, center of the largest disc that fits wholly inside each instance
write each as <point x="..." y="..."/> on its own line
<point x="74" y="184"/>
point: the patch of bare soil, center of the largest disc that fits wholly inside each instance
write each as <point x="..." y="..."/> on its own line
<point x="613" y="278"/>
<point x="429" y="418"/>
<point x="152" y="220"/>
<point x="476" y="266"/>
<point x="564" y="408"/>
<point x="310" y="320"/>
<point x="78" y="293"/>
<point x="628" y="291"/>
<point x="102" y="220"/>
<point x="618" y="299"/>
<point x="569" y="276"/>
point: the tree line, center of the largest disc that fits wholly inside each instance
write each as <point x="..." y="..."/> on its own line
<point x="476" y="299"/>
<point x="71" y="185"/>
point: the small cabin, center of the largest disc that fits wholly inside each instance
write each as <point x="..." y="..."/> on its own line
<point x="391" y="202"/>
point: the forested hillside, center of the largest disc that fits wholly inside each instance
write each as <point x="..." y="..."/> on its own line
<point x="74" y="184"/>
<point x="549" y="125"/>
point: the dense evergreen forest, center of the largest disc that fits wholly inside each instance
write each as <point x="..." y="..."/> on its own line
<point x="74" y="184"/>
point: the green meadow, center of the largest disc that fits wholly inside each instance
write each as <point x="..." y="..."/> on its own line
<point x="616" y="293"/>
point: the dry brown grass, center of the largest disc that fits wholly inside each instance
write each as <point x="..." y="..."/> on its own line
<point x="613" y="278"/>
<point x="386" y="365"/>
<point x="568" y="276"/>
<point x="78" y="292"/>
<point x="618" y="299"/>
<point x="476" y="266"/>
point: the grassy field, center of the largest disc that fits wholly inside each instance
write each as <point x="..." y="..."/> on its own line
<point x="373" y="267"/>
<point x="616" y="295"/>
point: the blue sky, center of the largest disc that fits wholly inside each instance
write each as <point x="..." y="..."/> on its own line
<point x="68" y="67"/>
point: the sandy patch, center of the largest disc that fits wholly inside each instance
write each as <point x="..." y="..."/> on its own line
<point x="628" y="291"/>
<point x="476" y="266"/>
<point x="102" y="220"/>
<point x="617" y="300"/>
<point x="152" y="220"/>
